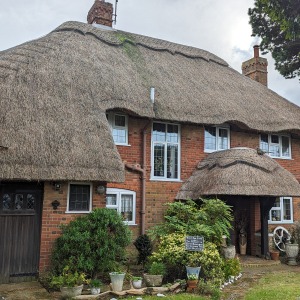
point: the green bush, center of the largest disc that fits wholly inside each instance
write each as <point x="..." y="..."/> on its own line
<point x="144" y="246"/>
<point x="231" y="267"/>
<point x="171" y="251"/>
<point x="210" y="218"/>
<point x="92" y="244"/>
<point x="157" y="268"/>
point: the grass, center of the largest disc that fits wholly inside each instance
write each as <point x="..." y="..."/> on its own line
<point x="276" y="286"/>
<point x="184" y="296"/>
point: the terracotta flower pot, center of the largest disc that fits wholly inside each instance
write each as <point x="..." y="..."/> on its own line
<point x="274" y="255"/>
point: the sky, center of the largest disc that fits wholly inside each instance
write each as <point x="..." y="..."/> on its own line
<point x="218" y="26"/>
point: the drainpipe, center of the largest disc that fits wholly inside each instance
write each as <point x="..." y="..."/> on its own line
<point x="142" y="170"/>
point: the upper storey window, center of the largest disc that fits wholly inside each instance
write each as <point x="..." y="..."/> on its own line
<point x="165" y="151"/>
<point x="119" y="126"/>
<point x="278" y="146"/>
<point x="216" y="138"/>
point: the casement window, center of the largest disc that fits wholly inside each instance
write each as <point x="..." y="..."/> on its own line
<point x="216" y="138"/>
<point x="124" y="202"/>
<point x="276" y="145"/>
<point x="119" y="127"/>
<point x="79" y="198"/>
<point x="165" y="160"/>
<point x="282" y="212"/>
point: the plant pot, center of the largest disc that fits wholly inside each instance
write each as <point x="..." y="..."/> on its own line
<point x="229" y="252"/>
<point x="274" y="255"/>
<point x="117" y="280"/>
<point x="193" y="271"/>
<point x="95" y="290"/>
<point x="191" y="285"/>
<point x="137" y="284"/>
<point x="71" y="291"/>
<point x="291" y="253"/>
<point x="153" y="280"/>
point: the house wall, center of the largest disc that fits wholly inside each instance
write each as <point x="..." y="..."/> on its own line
<point x="158" y="193"/>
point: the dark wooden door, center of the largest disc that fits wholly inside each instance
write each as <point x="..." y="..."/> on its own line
<point x="20" y="222"/>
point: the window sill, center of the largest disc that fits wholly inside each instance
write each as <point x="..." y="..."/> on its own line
<point x="211" y="151"/>
<point x="165" y="179"/>
<point x="278" y="157"/>
<point x="280" y="222"/>
<point x="77" y="212"/>
<point x="126" y="145"/>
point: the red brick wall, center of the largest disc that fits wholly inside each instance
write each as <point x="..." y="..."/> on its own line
<point x="157" y="192"/>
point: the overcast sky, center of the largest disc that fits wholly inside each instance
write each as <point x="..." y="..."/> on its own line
<point x="218" y="26"/>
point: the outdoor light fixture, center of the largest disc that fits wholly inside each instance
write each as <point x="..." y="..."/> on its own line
<point x="100" y="189"/>
<point x="55" y="204"/>
<point x="56" y="186"/>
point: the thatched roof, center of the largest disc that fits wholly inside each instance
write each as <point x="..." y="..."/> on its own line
<point x="239" y="171"/>
<point x="54" y="92"/>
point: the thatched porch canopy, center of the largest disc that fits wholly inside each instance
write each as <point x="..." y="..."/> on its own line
<point x="239" y="171"/>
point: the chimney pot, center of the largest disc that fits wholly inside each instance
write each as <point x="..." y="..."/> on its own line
<point x="256" y="51"/>
<point x="101" y="13"/>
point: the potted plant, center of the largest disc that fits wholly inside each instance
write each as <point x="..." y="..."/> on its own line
<point x="192" y="264"/>
<point x="117" y="279"/>
<point x="95" y="285"/>
<point x="155" y="274"/>
<point x="229" y="251"/>
<point x="274" y="252"/>
<point x="70" y="283"/>
<point x="192" y="281"/>
<point x="292" y="247"/>
<point x="136" y="282"/>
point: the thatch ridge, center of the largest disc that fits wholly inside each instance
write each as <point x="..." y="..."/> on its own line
<point x="239" y="171"/>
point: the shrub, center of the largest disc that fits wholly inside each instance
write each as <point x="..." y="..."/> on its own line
<point x="92" y="244"/>
<point x="157" y="268"/>
<point x="68" y="279"/>
<point x="231" y="267"/>
<point x="144" y="246"/>
<point x="211" y="218"/>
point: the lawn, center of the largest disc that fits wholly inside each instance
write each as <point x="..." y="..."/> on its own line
<point x="184" y="296"/>
<point x="276" y="286"/>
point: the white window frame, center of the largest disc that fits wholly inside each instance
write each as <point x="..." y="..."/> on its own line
<point x="119" y="193"/>
<point x="280" y="208"/>
<point x="68" y="199"/>
<point x="165" y="178"/>
<point x="111" y="120"/>
<point x="224" y="127"/>
<point x="280" y="145"/>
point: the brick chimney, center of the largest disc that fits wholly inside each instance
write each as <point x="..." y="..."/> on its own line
<point x="101" y="13"/>
<point x="256" y="67"/>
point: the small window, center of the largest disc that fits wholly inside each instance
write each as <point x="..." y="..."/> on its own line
<point x="119" y="127"/>
<point x="278" y="146"/>
<point x="165" y="151"/>
<point x="79" y="198"/>
<point x="216" y="138"/>
<point x="124" y="202"/>
<point x="282" y="211"/>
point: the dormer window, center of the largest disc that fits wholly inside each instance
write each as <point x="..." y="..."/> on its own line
<point x="119" y="127"/>
<point x="216" y="138"/>
<point x="276" y="145"/>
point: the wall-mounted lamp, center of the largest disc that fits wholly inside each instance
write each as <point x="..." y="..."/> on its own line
<point x="100" y="189"/>
<point x="56" y="186"/>
<point x="55" y="204"/>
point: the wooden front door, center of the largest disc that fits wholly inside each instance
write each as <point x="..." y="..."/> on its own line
<point x="20" y="222"/>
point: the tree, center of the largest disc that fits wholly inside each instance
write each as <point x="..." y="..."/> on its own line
<point x="277" y="23"/>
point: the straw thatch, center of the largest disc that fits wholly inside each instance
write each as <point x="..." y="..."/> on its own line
<point x="239" y="171"/>
<point x="54" y="92"/>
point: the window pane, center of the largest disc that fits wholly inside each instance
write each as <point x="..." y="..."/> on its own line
<point x="210" y="138"/>
<point x="172" y="133"/>
<point x="264" y="143"/>
<point x="223" y="139"/>
<point x="127" y="207"/>
<point x="274" y="139"/>
<point x="172" y="161"/>
<point x="6" y="201"/>
<point x="120" y="120"/>
<point x="19" y="201"/>
<point x="79" y="198"/>
<point x="159" y="132"/>
<point x="159" y="160"/>
<point x="111" y="199"/>
<point x="276" y="215"/>
<point x="30" y="201"/>
<point x="277" y="203"/>
<point x="287" y="209"/>
<point x="119" y="135"/>
<point x="274" y="150"/>
<point x="285" y="141"/>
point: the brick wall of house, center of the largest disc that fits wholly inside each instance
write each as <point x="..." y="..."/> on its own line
<point x="157" y="192"/>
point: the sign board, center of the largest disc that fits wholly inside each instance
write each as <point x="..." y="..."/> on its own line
<point x="194" y="243"/>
